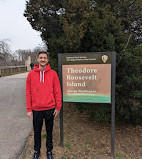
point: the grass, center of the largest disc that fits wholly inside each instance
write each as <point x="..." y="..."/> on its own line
<point x="87" y="144"/>
<point x="43" y="136"/>
<point x="68" y="145"/>
<point x="119" y="155"/>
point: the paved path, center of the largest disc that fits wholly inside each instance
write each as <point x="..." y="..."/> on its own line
<point x="15" y="126"/>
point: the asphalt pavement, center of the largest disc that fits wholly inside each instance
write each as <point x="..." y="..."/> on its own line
<point x="15" y="126"/>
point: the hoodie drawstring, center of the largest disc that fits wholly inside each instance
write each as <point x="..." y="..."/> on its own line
<point x="42" y="76"/>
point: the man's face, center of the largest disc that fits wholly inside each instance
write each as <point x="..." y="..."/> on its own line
<point x="42" y="60"/>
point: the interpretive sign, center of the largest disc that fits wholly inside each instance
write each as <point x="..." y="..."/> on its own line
<point x="87" y="77"/>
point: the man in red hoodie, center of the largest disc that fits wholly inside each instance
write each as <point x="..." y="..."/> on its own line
<point x="43" y="101"/>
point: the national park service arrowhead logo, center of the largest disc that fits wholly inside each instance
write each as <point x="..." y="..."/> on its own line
<point x="104" y="58"/>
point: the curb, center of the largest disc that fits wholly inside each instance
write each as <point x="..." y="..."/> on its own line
<point x="24" y="148"/>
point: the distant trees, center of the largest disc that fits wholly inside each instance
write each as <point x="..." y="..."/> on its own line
<point x="97" y="25"/>
<point x="22" y="55"/>
<point x="8" y="58"/>
<point x="5" y="53"/>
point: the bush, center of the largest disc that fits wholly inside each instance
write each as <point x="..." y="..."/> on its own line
<point x="98" y="112"/>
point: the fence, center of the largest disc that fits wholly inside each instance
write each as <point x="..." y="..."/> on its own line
<point x="9" y="70"/>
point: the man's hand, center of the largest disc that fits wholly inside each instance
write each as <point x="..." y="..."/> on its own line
<point x="30" y="115"/>
<point x="56" y="112"/>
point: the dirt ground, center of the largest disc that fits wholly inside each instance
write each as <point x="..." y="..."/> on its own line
<point x="85" y="139"/>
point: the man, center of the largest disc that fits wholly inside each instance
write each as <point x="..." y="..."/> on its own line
<point x="43" y="101"/>
<point x="32" y="66"/>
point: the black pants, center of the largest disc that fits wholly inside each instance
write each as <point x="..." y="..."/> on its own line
<point x="38" y="117"/>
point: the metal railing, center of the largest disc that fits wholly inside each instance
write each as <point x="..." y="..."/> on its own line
<point x="9" y="70"/>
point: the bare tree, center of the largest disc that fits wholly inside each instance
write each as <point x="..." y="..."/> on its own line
<point x="5" y="53"/>
<point x="22" y="55"/>
<point x="19" y="56"/>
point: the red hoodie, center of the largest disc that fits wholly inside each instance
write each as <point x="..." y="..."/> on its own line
<point x="43" y="90"/>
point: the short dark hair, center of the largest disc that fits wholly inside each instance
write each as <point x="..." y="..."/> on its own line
<point x="42" y="52"/>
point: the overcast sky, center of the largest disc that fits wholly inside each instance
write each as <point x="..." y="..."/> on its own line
<point x="15" y="27"/>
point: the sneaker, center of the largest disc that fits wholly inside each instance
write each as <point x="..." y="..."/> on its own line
<point x="36" y="155"/>
<point x="49" y="155"/>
